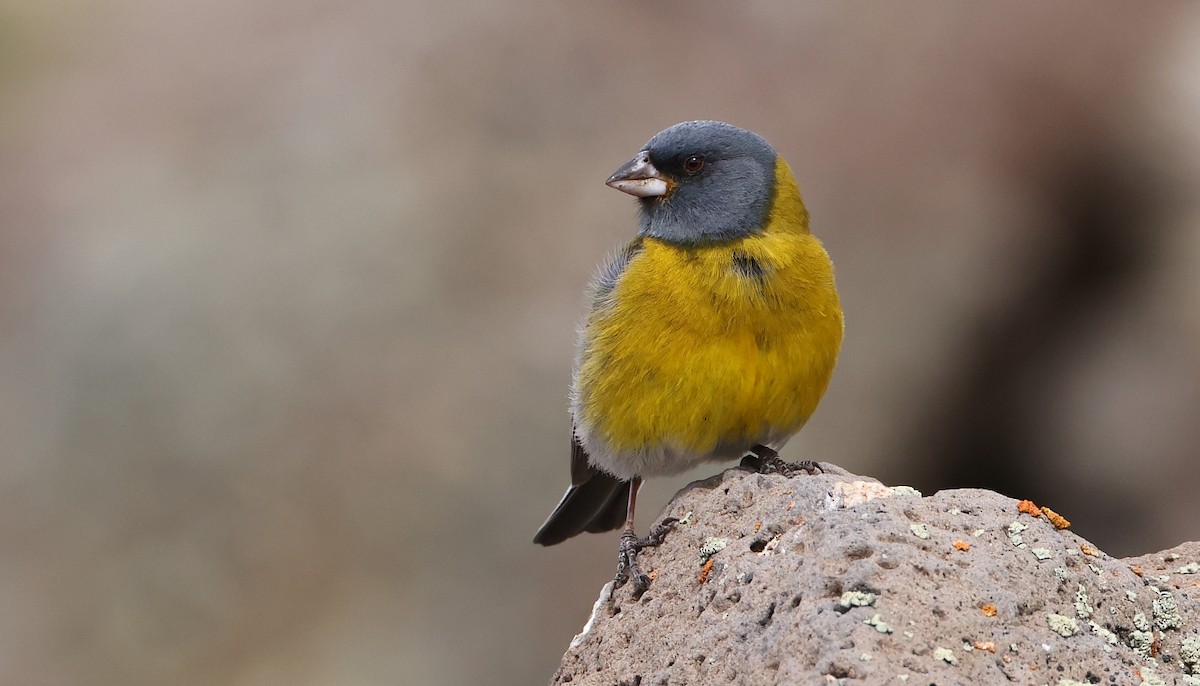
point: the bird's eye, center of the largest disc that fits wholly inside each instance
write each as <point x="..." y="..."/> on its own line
<point x="693" y="164"/>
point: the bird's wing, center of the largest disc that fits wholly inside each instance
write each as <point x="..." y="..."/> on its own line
<point x="581" y="468"/>
<point x="609" y="273"/>
<point x="596" y="501"/>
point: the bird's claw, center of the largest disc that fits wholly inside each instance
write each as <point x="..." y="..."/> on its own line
<point x="766" y="461"/>
<point x="789" y="469"/>
<point x="627" y="552"/>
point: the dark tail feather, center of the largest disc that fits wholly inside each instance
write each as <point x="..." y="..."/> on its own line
<point x="596" y="505"/>
<point x="612" y="515"/>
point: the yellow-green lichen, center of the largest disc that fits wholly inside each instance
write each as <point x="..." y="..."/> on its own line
<point x="880" y="625"/>
<point x="1141" y="642"/>
<point x="1014" y="533"/>
<point x="851" y="599"/>
<point x="945" y="655"/>
<point x="1189" y="654"/>
<point x="1062" y="625"/>
<point x="1166" y="612"/>
<point x="1083" y="604"/>
<point x="712" y="546"/>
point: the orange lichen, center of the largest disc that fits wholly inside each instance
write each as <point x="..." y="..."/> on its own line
<point x="704" y="571"/>
<point x="653" y="574"/>
<point x="1090" y="550"/>
<point x="1059" y="521"/>
<point x="1138" y="570"/>
<point x="989" y="610"/>
<point x="1029" y="508"/>
<point x="757" y="526"/>
<point x="962" y="545"/>
<point x="985" y="645"/>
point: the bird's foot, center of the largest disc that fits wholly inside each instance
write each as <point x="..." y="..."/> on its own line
<point x="764" y="460"/>
<point x="631" y="545"/>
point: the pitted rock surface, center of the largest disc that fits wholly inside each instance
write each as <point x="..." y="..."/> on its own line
<point x="837" y="578"/>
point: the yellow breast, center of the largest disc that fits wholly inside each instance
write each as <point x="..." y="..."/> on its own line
<point x="706" y="350"/>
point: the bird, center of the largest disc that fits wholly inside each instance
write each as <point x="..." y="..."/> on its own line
<point x="710" y="336"/>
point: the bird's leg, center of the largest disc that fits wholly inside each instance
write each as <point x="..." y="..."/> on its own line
<point x="627" y="566"/>
<point x="764" y="460"/>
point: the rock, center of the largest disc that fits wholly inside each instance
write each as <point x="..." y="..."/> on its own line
<point x="837" y="579"/>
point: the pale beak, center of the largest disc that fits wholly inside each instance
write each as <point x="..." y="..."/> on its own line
<point x="639" y="177"/>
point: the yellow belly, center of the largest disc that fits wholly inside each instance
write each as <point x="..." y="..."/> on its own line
<point x="692" y="359"/>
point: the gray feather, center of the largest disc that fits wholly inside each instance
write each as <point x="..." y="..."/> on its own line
<point x="610" y="272"/>
<point x="729" y="198"/>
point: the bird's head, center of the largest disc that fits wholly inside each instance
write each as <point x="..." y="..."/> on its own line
<point x="701" y="182"/>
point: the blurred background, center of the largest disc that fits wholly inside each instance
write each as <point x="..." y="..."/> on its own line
<point x="288" y="293"/>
